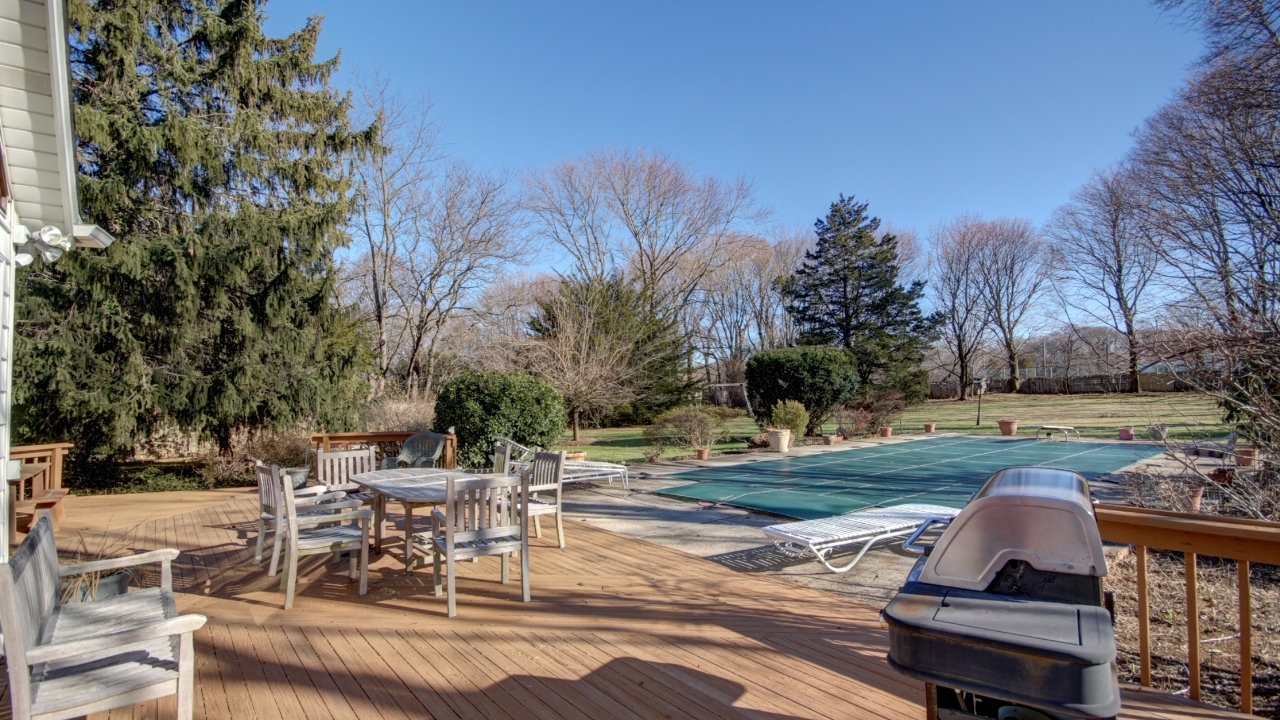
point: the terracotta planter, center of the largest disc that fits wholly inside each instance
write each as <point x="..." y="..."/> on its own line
<point x="1126" y="433"/>
<point x="702" y="453"/>
<point x="1008" y="427"/>
<point x="1195" y="495"/>
<point x="1222" y="476"/>
<point x="1246" y="456"/>
<point x="780" y="440"/>
<point x="829" y="439"/>
<point x="930" y="427"/>
<point x="886" y="432"/>
<point x="575" y="456"/>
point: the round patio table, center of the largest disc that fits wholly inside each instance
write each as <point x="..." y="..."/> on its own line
<point x="410" y="487"/>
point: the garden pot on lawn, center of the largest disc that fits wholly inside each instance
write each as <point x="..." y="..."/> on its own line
<point x="575" y="456"/>
<point x="886" y="432"/>
<point x="1008" y="427"/>
<point x="1126" y="433"/>
<point x="829" y="439"/>
<point x="1245" y="456"/>
<point x="780" y="440"/>
<point x="930" y="427"/>
<point x="703" y="453"/>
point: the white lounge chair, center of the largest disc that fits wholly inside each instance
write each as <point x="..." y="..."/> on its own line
<point x="511" y="456"/>
<point x="822" y="537"/>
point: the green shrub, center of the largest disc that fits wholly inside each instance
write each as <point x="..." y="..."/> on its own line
<point x="687" y="427"/>
<point x="790" y="415"/>
<point x="819" y="377"/>
<point x="879" y="407"/>
<point x="479" y="405"/>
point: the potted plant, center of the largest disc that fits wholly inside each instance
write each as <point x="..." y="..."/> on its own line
<point x="829" y="439"/>
<point x="1008" y="427"/>
<point x="779" y="439"/>
<point x="1246" y="456"/>
<point x="688" y="427"/>
<point x="930" y="427"/>
<point x="575" y="455"/>
<point x="886" y="431"/>
<point x="1126" y="433"/>
<point x="98" y="585"/>
<point x="702" y="453"/>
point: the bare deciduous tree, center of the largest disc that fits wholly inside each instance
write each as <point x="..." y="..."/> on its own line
<point x="389" y="186"/>
<point x="1103" y="256"/>
<point x="957" y="253"/>
<point x="1013" y="274"/>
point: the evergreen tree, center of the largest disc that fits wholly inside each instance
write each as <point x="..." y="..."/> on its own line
<point x="846" y="293"/>
<point x="216" y="156"/>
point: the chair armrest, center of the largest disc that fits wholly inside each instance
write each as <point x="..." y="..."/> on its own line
<point x="317" y="499"/>
<point x="165" y="555"/>
<point x="365" y="514"/>
<point x="310" y="490"/>
<point x="435" y="513"/>
<point x="58" y="651"/>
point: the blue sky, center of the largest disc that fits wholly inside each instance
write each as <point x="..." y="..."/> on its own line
<point x="924" y="109"/>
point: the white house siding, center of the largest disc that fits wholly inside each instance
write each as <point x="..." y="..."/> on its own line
<point x="36" y="166"/>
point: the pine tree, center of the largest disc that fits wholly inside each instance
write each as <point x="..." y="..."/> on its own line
<point x="216" y="156"/>
<point x="846" y="293"/>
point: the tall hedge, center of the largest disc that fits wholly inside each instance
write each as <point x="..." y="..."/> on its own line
<point x="820" y="377"/>
<point x="479" y="405"/>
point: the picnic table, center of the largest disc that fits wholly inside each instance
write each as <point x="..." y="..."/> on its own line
<point x="410" y="488"/>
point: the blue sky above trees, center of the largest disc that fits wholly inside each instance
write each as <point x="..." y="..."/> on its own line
<point x="926" y="110"/>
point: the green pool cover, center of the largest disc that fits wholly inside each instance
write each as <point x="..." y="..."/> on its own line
<point x="944" y="471"/>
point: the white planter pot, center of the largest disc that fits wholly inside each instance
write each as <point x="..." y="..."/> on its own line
<point x="779" y="440"/>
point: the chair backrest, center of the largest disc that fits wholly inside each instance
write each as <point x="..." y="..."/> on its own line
<point x="336" y="468"/>
<point x="483" y="508"/>
<point x="28" y="595"/>
<point x="546" y="471"/>
<point x="501" y="457"/>
<point x="422" y="450"/>
<point x="284" y="491"/>
<point x="515" y="451"/>
<point x="268" y="486"/>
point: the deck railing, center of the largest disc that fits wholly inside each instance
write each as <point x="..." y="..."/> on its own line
<point x="1245" y="541"/>
<point x="388" y="442"/>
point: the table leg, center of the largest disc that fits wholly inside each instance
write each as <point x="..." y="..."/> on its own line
<point x="408" y="538"/>
<point x="379" y="515"/>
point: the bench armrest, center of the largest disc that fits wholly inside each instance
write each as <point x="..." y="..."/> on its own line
<point x="164" y="557"/>
<point x="112" y="641"/>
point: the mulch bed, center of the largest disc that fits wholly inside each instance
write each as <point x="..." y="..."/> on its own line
<point x="1219" y="628"/>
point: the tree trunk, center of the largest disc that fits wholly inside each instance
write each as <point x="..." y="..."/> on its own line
<point x="1015" y="382"/>
<point x="575" y="425"/>
<point x="1133" y="361"/>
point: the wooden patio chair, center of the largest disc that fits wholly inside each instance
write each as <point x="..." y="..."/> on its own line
<point x="546" y="476"/>
<point x="334" y="471"/>
<point x="482" y="516"/>
<point x="271" y="519"/>
<point x="324" y="529"/>
<point x="67" y="660"/>
<point x="421" y="450"/>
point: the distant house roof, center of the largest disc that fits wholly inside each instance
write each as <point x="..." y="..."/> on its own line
<point x="35" y="120"/>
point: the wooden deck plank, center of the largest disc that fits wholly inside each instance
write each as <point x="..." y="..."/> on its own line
<point x="618" y="629"/>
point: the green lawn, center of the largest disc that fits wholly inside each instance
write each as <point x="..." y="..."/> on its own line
<point x="1098" y="416"/>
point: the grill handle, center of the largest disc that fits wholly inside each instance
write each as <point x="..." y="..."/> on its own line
<point x="910" y="543"/>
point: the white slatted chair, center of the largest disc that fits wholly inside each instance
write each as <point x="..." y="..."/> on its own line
<point x="481" y="517"/>
<point x="546" y="476"/>
<point x="334" y="471"/>
<point x="70" y="660"/>
<point x="323" y="528"/>
<point x="271" y="520"/>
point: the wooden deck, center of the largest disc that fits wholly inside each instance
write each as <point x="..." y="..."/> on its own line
<point x="618" y="628"/>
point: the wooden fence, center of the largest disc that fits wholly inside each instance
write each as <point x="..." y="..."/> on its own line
<point x="1084" y="384"/>
<point x="1245" y="541"/>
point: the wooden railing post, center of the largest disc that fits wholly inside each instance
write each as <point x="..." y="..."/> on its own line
<point x="1144" y="619"/>
<point x="1246" y="640"/>
<point x="449" y="458"/>
<point x="1193" y="628"/>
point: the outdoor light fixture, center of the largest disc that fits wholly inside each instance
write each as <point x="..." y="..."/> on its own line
<point x="48" y="241"/>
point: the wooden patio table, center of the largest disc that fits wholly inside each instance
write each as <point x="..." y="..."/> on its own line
<point x="410" y="487"/>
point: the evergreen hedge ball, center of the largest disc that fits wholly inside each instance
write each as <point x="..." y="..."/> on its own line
<point x="515" y="405"/>
<point x="820" y="377"/>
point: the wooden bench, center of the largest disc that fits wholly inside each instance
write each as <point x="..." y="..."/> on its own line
<point x="66" y="660"/>
<point x="1049" y="430"/>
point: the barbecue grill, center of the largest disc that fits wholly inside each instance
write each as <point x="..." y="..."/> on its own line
<point x="1004" y="615"/>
